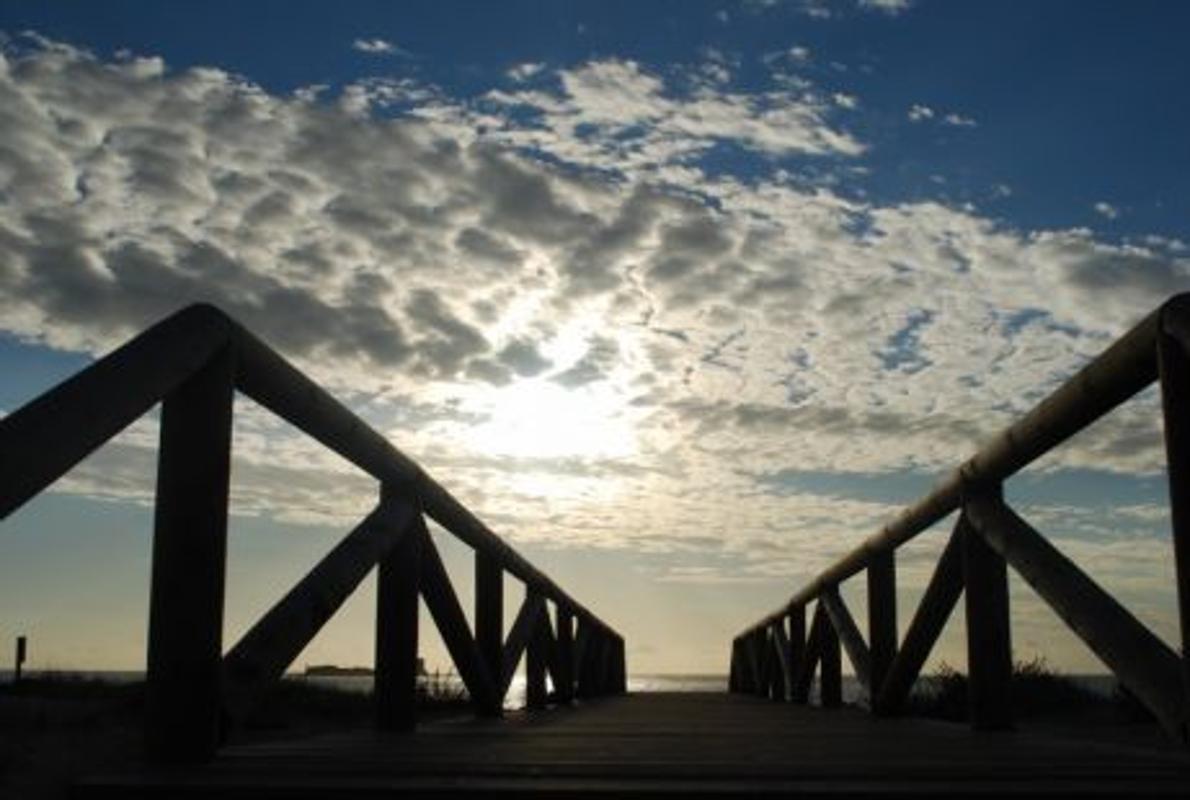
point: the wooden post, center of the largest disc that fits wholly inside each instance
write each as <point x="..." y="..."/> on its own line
<point x="797" y="647"/>
<point x="185" y="647"/>
<point x="989" y="644"/>
<point x="830" y="663"/>
<point x="882" y="620"/>
<point x="19" y="661"/>
<point x="939" y="600"/>
<point x="734" y="671"/>
<point x="397" y="590"/>
<point x="536" y="655"/>
<point x="1174" y="370"/>
<point x="1142" y="662"/>
<point x="781" y="642"/>
<point x="779" y="662"/>
<point x="564" y="682"/>
<point x="621" y="662"/>
<point x="489" y="619"/>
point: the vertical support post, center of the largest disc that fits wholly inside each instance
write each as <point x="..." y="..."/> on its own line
<point x="621" y="662"/>
<point x="535" y="655"/>
<point x="780" y="660"/>
<point x="1173" y="365"/>
<point x="185" y="648"/>
<point x="830" y="663"/>
<point x="882" y="620"/>
<point x="19" y="661"/>
<point x="733" y="676"/>
<point x="989" y="644"/>
<point x="489" y="618"/>
<point x="397" y="590"/>
<point x="564" y="683"/>
<point x="797" y="650"/>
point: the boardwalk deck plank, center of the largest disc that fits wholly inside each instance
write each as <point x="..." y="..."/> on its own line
<point x="689" y="743"/>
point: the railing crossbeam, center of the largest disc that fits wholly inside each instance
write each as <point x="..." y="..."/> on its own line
<point x="848" y="633"/>
<point x="452" y="625"/>
<point x="521" y="633"/>
<point x="1141" y="660"/>
<point x="280" y="635"/>
<point x="934" y="609"/>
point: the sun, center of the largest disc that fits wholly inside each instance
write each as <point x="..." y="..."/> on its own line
<point x="538" y="418"/>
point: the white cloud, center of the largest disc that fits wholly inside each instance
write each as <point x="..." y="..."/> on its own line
<point x="377" y="47"/>
<point x="848" y="101"/>
<point x="1106" y="210"/>
<point x="446" y="283"/>
<point x="918" y="113"/>
<point x="525" y="71"/>
<point x="891" y="7"/>
<point x="959" y="121"/>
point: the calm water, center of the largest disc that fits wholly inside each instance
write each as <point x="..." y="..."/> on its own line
<point x="852" y="691"/>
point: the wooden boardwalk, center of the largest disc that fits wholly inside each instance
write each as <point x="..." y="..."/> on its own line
<point x="677" y="744"/>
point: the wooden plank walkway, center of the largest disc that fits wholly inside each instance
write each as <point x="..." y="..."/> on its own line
<point x="677" y="744"/>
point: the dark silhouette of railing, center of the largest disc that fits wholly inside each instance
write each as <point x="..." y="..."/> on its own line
<point x="776" y="658"/>
<point x="192" y="362"/>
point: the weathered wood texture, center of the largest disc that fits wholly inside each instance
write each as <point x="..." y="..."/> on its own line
<point x="678" y="745"/>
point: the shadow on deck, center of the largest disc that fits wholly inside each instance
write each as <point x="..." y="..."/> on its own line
<point x="686" y="744"/>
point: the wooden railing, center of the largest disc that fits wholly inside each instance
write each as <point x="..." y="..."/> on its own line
<point x="776" y="658"/>
<point x="193" y="362"/>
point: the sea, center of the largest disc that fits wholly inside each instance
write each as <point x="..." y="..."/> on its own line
<point x="853" y="691"/>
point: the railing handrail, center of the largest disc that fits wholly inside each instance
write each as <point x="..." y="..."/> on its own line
<point x="1127" y="367"/>
<point x="192" y="363"/>
<point x="988" y="538"/>
<point x="59" y="428"/>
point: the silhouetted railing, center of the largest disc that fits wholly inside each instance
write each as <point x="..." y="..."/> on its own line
<point x="193" y="362"/>
<point x="776" y="658"/>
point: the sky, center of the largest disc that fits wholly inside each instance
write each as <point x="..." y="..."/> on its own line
<point x="684" y="299"/>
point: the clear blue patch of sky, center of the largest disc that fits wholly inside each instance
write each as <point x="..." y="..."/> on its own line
<point x="30" y="369"/>
<point x="902" y="350"/>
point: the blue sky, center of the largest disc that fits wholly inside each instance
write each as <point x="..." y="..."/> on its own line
<point x="691" y="294"/>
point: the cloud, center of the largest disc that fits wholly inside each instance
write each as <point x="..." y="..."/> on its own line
<point x="378" y="47"/>
<point x="558" y="259"/>
<point x="958" y="121"/>
<point x="1106" y="210"/>
<point x="918" y="113"/>
<point x="617" y="114"/>
<point x="525" y="71"/>
<point x="890" y="7"/>
<point x="848" y="101"/>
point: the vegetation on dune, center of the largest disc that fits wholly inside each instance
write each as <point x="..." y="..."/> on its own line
<point x="1037" y="691"/>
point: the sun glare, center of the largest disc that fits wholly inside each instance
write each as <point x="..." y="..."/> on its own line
<point x="540" y="419"/>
